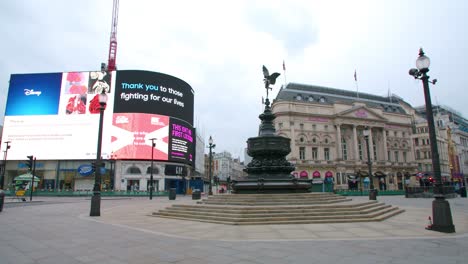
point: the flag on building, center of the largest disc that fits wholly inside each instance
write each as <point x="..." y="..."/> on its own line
<point x="355" y="76"/>
<point x="284" y="66"/>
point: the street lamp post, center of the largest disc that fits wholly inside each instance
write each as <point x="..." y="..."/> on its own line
<point x="441" y="214"/>
<point x="2" y="180"/>
<point x="96" y="198"/>
<point x="153" y="144"/>
<point x="372" y="191"/>
<point x="211" y="146"/>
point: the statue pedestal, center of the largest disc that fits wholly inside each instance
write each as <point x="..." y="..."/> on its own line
<point x="262" y="185"/>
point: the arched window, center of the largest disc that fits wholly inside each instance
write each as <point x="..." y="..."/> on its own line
<point x="133" y="170"/>
<point x="155" y="170"/>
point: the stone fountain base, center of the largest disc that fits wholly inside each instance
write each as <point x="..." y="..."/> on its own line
<point x="266" y="185"/>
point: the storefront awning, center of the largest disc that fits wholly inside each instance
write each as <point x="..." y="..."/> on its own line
<point x="316" y="174"/>
<point x="26" y="177"/>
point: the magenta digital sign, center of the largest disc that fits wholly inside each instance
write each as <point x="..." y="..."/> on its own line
<point x="55" y="116"/>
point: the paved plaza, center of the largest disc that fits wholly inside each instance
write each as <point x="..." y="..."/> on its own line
<point x="59" y="230"/>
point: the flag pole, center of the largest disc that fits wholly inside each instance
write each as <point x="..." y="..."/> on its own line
<point x="284" y="72"/>
<point x="355" y="81"/>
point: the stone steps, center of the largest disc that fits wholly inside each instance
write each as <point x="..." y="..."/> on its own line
<point x="275" y="199"/>
<point x="256" y="209"/>
<point x="273" y="209"/>
<point x="268" y="214"/>
<point x="379" y="215"/>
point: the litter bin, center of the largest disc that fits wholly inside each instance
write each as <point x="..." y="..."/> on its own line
<point x="463" y="192"/>
<point x="373" y="194"/>
<point x="196" y="194"/>
<point x="172" y="194"/>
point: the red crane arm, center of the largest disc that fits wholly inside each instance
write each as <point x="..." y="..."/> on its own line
<point x="111" y="64"/>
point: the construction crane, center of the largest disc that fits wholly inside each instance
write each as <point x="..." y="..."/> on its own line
<point x="111" y="63"/>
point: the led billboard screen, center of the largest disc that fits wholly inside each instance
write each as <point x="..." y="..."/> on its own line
<point x="56" y="116"/>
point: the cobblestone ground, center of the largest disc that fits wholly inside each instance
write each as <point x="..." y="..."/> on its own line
<point x="59" y="230"/>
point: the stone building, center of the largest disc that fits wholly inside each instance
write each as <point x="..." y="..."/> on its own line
<point x="452" y="136"/>
<point x="326" y="129"/>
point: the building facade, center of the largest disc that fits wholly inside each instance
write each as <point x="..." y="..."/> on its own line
<point x="327" y="141"/>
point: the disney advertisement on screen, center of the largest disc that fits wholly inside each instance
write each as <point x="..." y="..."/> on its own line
<point x="56" y="116"/>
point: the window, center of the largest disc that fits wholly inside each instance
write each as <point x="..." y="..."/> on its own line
<point x="326" y="141"/>
<point x="301" y="139"/>
<point x="374" y="146"/>
<point x="360" y="150"/>
<point x="314" y="140"/>
<point x="416" y="142"/>
<point x="326" y="127"/>
<point x="314" y="126"/>
<point x="314" y="153"/>
<point x="326" y="153"/>
<point x="388" y="156"/>
<point x="405" y="157"/>
<point x="403" y="134"/>
<point x="418" y="154"/>
<point x="302" y="153"/>
<point x="301" y="126"/>
<point x="280" y="125"/>
<point x="396" y="156"/>
<point x="338" y="178"/>
<point x="155" y="170"/>
<point x="133" y="170"/>
<point x="344" y="149"/>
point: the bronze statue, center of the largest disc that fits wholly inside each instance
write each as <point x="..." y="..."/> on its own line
<point x="269" y="79"/>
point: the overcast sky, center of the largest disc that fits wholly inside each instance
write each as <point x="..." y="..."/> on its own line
<point x="219" y="47"/>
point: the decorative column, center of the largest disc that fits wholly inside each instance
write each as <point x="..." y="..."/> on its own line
<point x="384" y="133"/>
<point x="355" y="143"/>
<point x="371" y="144"/>
<point x="338" y="141"/>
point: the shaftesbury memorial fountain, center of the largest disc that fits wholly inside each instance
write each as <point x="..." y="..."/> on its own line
<point x="269" y="171"/>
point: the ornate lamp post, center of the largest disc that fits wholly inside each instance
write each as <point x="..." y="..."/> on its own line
<point x="96" y="199"/>
<point x="441" y="214"/>
<point x="4" y="163"/>
<point x="372" y="191"/>
<point x="211" y="146"/>
<point x="153" y="144"/>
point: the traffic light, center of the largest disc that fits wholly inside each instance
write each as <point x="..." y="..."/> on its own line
<point x="30" y="162"/>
